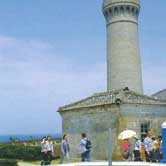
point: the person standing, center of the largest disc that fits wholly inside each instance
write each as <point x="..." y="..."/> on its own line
<point x="65" y="149"/>
<point x="126" y="150"/>
<point x="157" y="149"/>
<point x="50" y="149"/>
<point x="148" y="144"/>
<point x="85" y="146"/>
<point x="160" y="146"/>
<point x="88" y="147"/>
<point x="44" y="151"/>
<point x="137" y="149"/>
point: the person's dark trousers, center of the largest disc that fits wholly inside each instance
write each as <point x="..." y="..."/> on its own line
<point x="83" y="156"/>
<point x="49" y="157"/>
<point x="137" y="155"/>
<point x="44" y="158"/>
<point x="156" y="155"/>
<point x="149" y="157"/>
<point x="88" y="155"/>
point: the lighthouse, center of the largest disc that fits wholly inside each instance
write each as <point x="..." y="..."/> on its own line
<point x="123" y="53"/>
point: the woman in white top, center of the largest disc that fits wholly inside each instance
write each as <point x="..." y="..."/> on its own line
<point x="50" y="149"/>
<point x="44" y="149"/>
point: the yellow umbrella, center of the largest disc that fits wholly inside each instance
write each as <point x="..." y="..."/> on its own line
<point x="126" y="134"/>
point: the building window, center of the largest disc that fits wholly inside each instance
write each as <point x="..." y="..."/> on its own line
<point x="144" y="128"/>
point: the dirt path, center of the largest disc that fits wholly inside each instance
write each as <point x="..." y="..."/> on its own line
<point x="26" y="164"/>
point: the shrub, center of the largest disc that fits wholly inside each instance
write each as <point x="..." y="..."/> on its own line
<point x="29" y="153"/>
<point x="8" y="163"/>
<point x="23" y="152"/>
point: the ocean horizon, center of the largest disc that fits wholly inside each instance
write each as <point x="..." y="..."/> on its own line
<point x="27" y="137"/>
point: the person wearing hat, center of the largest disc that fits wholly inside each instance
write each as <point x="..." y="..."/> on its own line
<point x="137" y="149"/>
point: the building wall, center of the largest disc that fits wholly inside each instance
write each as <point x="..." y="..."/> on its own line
<point x="133" y="115"/>
<point x="96" y="121"/>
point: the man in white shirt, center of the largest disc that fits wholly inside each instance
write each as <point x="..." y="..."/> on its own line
<point x="85" y="153"/>
<point x="148" y="144"/>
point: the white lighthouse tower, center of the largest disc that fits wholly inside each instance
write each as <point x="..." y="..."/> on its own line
<point x="123" y="54"/>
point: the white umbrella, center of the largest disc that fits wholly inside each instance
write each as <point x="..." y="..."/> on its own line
<point x="126" y="134"/>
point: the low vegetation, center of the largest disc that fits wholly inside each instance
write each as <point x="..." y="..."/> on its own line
<point x="7" y="162"/>
<point x="27" y="151"/>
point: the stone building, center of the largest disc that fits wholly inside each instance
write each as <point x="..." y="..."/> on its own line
<point x="123" y="105"/>
<point x="119" y="109"/>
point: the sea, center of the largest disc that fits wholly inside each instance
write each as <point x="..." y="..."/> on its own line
<point x="27" y="137"/>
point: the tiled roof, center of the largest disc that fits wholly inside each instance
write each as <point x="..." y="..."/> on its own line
<point x="112" y="97"/>
<point x="160" y="95"/>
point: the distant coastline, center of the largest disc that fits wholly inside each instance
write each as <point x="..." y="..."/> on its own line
<point x="27" y="137"/>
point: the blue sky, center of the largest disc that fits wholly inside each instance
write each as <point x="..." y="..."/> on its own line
<point x="54" y="52"/>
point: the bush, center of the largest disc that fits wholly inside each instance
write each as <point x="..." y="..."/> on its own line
<point x="28" y="153"/>
<point x="8" y="163"/>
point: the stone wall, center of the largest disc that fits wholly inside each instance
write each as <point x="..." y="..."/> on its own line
<point x="132" y="115"/>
